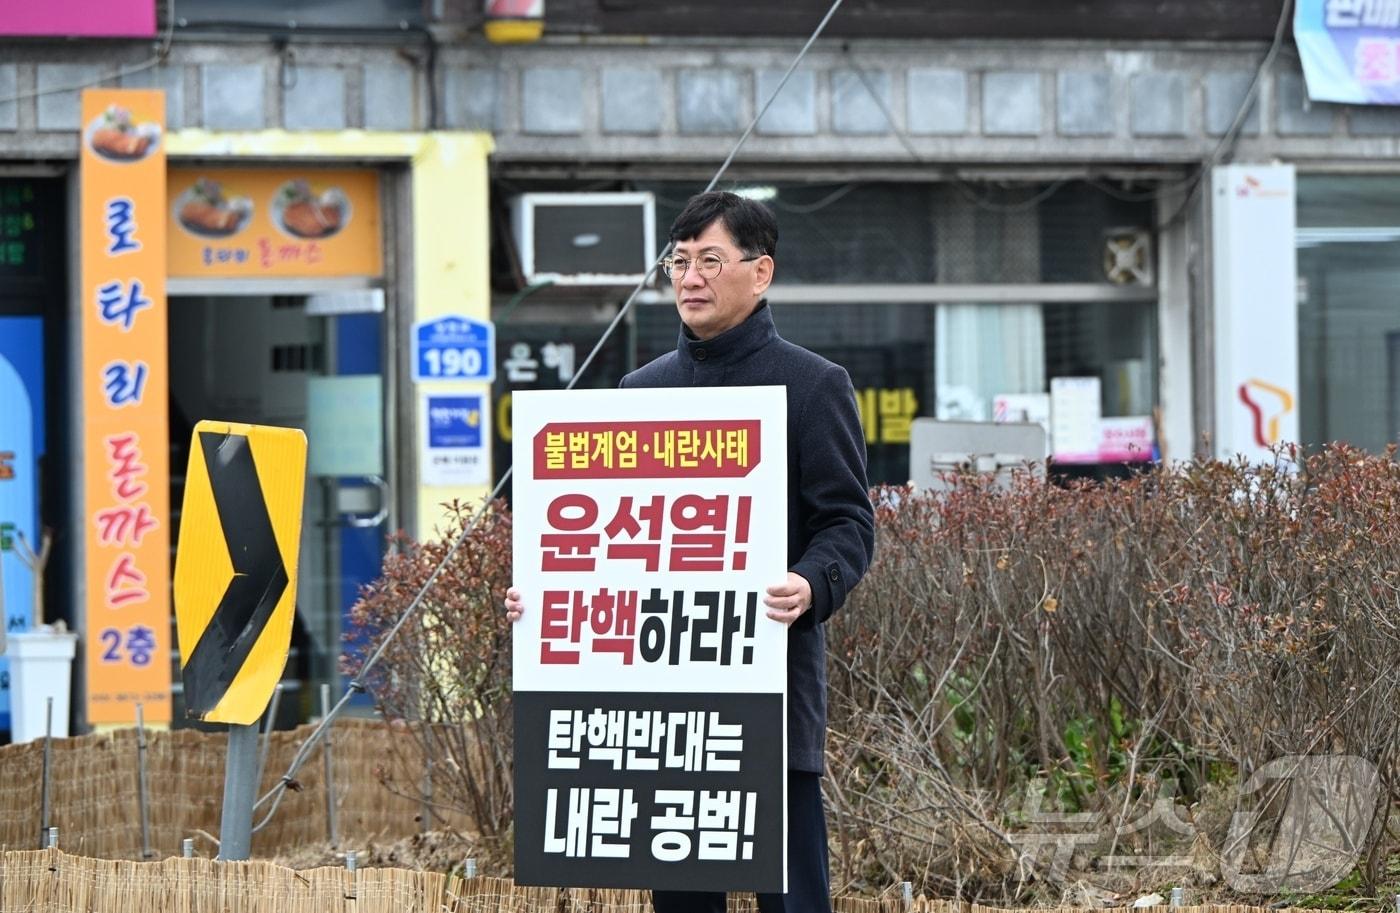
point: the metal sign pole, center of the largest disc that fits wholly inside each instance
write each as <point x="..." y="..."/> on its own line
<point x="141" y="782"/>
<point x="331" y="830"/>
<point x="240" y="789"/>
<point x="269" y="724"/>
<point x="48" y="770"/>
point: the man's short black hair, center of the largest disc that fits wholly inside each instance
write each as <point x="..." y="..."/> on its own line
<point x="751" y="224"/>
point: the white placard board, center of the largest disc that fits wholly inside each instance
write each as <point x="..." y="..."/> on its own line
<point x="648" y="680"/>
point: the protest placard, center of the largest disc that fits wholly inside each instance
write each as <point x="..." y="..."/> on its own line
<point x="650" y="687"/>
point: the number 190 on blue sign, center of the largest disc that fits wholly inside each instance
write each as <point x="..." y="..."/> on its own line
<point x="454" y="348"/>
<point x="453" y="363"/>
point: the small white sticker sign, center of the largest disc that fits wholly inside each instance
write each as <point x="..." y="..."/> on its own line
<point x="454" y="439"/>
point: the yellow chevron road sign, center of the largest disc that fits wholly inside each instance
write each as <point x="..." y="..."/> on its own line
<point x="236" y="566"/>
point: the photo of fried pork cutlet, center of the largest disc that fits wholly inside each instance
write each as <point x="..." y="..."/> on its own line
<point x="204" y="210"/>
<point x="303" y="213"/>
<point x="114" y="136"/>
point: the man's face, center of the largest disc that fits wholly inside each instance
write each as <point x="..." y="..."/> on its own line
<point x="708" y="307"/>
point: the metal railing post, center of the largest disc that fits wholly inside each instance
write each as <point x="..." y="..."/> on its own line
<point x="330" y="773"/>
<point x="48" y="761"/>
<point x="141" y="797"/>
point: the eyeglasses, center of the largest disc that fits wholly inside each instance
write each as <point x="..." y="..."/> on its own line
<point x="708" y="266"/>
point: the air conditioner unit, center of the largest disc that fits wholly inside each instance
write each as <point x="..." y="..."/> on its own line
<point x="596" y="239"/>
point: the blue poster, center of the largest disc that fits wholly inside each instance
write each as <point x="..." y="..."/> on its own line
<point x="21" y="445"/>
<point x="1350" y="50"/>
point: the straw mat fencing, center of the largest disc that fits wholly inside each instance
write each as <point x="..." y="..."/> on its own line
<point x="51" y="881"/>
<point x="94" y="795"/>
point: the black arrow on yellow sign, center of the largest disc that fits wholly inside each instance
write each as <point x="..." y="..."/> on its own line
<point x="259" y="578"/>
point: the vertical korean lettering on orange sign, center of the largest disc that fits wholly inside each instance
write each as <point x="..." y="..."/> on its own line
<point x="126" y="628"/>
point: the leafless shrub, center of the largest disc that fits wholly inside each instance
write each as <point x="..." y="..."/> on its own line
<point x="1124" y="644"/>
<point x="1039" y="663"/>
<point x="445" y="678"/>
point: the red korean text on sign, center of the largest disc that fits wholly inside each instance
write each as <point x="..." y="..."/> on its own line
<point x="610" y="620"/>
<point x="125" y="524"/>
<point x="694" y="529"/>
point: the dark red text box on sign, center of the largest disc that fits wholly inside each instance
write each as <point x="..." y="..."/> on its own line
<point x="647" y="450"/>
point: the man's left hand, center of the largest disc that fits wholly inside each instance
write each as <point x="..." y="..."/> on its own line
<point x="788" y="600"/>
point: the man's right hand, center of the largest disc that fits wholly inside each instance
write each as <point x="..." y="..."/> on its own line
<point x="514" y="607"/>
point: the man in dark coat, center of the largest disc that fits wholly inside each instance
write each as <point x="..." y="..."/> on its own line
<point x="720" y="267"/>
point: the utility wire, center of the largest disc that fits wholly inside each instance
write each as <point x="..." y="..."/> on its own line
<point x="357" y="685"/>
<point x="1226" y="146"/>
<point x="960" y="186"/>
<point x="1191" y="183"/>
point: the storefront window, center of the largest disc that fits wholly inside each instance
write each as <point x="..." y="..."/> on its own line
<point x="940" y="298"/>
<point x="1349" y="309"/>
<point x="986" y="350"/>
<point x="941" y="357"/>
<point x="277" y="316"/>
<point x="35" y="408"/>
<point x="949" y="233"/>
<point x="950" y="361"/>
<point x="273" y="360"/>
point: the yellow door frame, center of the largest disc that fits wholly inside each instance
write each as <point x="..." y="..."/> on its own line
<point x="451" y="237"/>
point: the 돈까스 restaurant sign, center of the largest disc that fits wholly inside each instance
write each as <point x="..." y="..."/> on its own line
<point x="252" y="222"/>
<point x="650" y="686"/>
<point x="124" y="393"/>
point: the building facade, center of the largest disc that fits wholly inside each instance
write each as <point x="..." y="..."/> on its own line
<point x="970" y="209"/>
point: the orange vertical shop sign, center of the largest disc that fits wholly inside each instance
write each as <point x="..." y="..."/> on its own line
<point x="126" y="632"/>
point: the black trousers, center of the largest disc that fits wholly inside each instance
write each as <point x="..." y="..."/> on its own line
<point x="809" y="878"/>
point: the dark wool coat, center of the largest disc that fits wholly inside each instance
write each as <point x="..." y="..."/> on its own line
<point x="831" y="525"/>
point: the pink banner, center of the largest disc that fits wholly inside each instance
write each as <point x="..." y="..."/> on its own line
<point x="81" y="18"/>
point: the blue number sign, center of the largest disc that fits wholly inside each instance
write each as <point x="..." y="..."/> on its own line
<point x="454" y="348"/>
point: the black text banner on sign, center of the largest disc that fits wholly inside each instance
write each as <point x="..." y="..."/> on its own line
<point x="235" y="569"/>
<point x="650" y="686"/>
